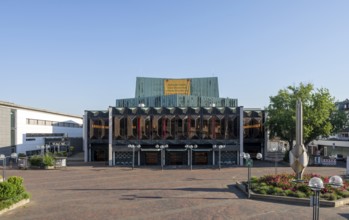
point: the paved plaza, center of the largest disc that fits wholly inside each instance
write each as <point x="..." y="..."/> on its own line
<point x="100" y="192"/>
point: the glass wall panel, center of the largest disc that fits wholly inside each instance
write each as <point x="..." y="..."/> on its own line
<point x="148" y="127"/>
<point x="155" y="129"/>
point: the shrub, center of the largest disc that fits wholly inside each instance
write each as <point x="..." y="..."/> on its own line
<point x="7" y="203"/>
<point x="71" y="149"/>
<point x="254" y="179"/>
<point x="329" y="196"/>
<point x="7" y="190"/>
<point x="22" y="155"/>
<point x="263" y="192"/>
<point x="35" y="160"/>
<point x="48" y="160"/>
<point x="300" y="194"/>
<point x="344" y="194"/>
<point x="61" y="154"/>
<point x="18" y="183"/>
<point x="289" y="192"/>
<point x="278" y="191"/>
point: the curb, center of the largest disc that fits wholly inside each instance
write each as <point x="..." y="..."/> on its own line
<point x="291" y="200"/>
<point x="14" y="206"/>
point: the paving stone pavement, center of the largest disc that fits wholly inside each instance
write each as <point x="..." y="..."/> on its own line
<point x="95" y="191"/>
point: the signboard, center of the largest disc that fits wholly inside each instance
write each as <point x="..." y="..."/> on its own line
<point x="249" y="163"/>
<point x="177" y="86"/>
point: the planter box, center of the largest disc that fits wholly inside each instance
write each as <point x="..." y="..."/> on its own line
<point x="60" y="162"/>
<point x="18" y="204"/>
<point x="291" y="200"/>
<point x="23" y="163"/>
<point x="49" y="167"/>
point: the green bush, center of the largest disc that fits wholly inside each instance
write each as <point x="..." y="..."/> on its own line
<point x="289" y="192"/>
<point x="300" y="194"/>
<point x="7" y="190"/>
<point x="18" y="183"/>
<point x="61" y="154"/>
<point x="344" y="194"/>
<point x="278" y="191"/>
<point x="71" y="149"/>
<point x="7" y="203"/>
<point x="48" y="160"/>
<point x="254" y="179"/>
<point x="22" y="155"/>
<point x="35" y="160"/>
<point x="263" y="192"/>
<point x="12" y="191"/>
<point x="330" y="196"/>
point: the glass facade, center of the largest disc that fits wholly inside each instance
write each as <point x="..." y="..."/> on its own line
<point x="174" y="112"/>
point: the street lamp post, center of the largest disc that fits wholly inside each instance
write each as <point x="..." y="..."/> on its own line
<point x="190" y="150"/>
<point x="3" y="158"/>
<point x="277" y="150"/>
<point x="133" y="153"/>
<point x="249" y="164"/>
<point x="219" y="153"/>
<point x="316" y="184"/>
<point x="162" y="152"/>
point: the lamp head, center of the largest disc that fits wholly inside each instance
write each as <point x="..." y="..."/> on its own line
<point x="336" y="181"/>
<point x="316" y="183"/>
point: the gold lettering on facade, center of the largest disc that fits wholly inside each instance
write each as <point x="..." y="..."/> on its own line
<point x="100" y="126"/>
<point x="177" y="86"/>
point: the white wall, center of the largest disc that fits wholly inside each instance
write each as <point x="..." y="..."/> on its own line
<point x="23" y="128"/>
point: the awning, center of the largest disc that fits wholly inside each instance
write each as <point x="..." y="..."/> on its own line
<point x="176" y="150"/>
<point x="205" y="149"/>
<point x="150" y="149"/>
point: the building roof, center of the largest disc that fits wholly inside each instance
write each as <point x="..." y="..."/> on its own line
<point x="16" y="106"/>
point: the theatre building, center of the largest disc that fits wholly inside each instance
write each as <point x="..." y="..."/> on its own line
<point x="173" y="122"/>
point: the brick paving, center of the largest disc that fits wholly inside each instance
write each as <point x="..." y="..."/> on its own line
<point x="94" y="191"/>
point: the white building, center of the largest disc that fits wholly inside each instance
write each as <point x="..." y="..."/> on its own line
<point x="24" y="129"/>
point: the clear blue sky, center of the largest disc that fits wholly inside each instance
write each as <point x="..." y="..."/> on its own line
<point x="70" y="56"/>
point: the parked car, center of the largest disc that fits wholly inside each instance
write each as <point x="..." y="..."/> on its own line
<point x="340" y="157"/>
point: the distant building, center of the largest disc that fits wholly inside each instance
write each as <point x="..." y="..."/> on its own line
<point x="175" y="113"/>
<point x="26" y="129"/>
<point x="338" y="144"/>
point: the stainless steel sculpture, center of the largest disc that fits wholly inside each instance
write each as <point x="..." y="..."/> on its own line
<point x="298" y="155"/>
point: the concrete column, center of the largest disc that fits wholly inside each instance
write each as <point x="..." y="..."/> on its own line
<point x="241" y="137"/>
<point x="139" y="158"/>
<point x="110" y="130"/>
<point x="85" y="137"/>
<point x="213" y="158"/>
<point x="188" y="157"/>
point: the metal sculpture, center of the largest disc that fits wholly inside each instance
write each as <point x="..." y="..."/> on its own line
<point x="298" y="155"/>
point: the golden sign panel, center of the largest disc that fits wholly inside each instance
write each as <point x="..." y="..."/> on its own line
<point x="177" y="86"/>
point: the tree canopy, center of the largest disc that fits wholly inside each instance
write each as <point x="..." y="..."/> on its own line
<point x="318" y="106"/>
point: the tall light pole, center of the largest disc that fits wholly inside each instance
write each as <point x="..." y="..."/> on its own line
<point x="3" y="158"/>
<point x="133" y="153"/>
<point x="277" y="150"/>
<point x="162" y="152"/>
<point x="219" y="153"/>
<point x="190" y="150"/>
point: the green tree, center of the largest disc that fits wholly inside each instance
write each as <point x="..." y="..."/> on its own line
<point x="339" y="121"/>
<point x="318" y="106"/>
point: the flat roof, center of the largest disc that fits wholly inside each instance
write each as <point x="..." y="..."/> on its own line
<point x="16" y="106"/>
